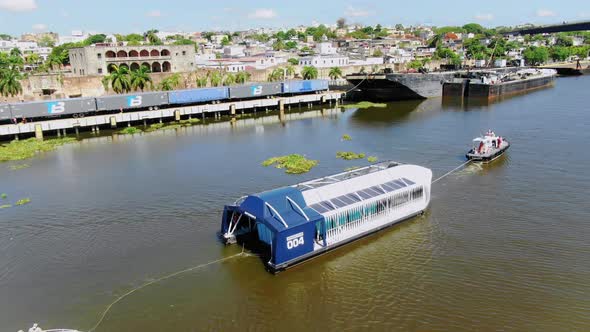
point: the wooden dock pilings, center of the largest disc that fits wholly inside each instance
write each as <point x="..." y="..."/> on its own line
<point x="111" y="120"/>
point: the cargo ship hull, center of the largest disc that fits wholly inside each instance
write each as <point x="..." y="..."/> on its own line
<point x="467" y="89"/>
<point x="394" y="87"/>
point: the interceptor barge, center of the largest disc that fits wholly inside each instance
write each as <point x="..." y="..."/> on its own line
<point x="293" y="224"/>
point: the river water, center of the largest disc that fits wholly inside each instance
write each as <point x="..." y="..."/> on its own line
<point x="502" y="247"/>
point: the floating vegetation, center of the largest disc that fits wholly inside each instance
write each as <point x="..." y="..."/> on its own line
<point x="347" y="155"/>
<point x="23" y="201"/>
<point x="24" y="149"/>
<point x="293" y="163"/>
<point x="17" y="167"/>
<point x="346" y="137"/>
<point x="189" y="122"/>
<point x="364" y="104"/>
<point x="352" y="168"/>
<point x="3" y="196"/>
<point x="372" y="159"/>
<point x="5" y="206"/>
<point x="130" y="131"/>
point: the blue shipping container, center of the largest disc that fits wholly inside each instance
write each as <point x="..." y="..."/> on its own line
<point x="197" y="95"/>
<point x="305" y="86"/>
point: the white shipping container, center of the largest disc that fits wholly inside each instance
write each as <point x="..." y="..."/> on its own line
<point x="500" y="63"/>
<point x="480" y="63"/>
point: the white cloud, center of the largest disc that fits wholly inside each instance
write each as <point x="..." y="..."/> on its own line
<point x="357" y="12"/>
<point x="545" y="13"/>
<point x="154" y="13"/>
<point x="40" y="27"/>
<point x="484" y="17"/>
<point x="263" y="13"/>
<point x="18" y="5"/>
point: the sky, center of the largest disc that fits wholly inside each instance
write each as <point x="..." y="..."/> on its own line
<point x="110" y="16"/>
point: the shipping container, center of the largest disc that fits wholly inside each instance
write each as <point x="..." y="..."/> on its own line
<point x="254" y="90"/>
<point x="53" y="107"/>
<point x="139" y="100"/>
<point x="304" y="86"/>
<point x="197" y="95"/>
<point x="5" y="112"/>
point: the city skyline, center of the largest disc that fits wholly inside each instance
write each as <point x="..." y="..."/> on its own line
<point x="63" y="16"/>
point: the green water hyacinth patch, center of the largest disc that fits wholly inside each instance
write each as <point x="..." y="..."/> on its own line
<point x="346" y="137"/>
<point x="5" y="206"/>
<point x="130" y="131"/>
<point x="365" y="104"/>
<point x="24" y="149"/>
<point x="3" y="196"/>
<point x="293" y="163"/>
<point x="23" y="201"/>
<point x="347" y="155"/>
<point x="372" y="159"/>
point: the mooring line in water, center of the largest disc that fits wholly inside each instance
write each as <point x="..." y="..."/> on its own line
<point x="452" y="171"/>
<point x="108" y="308"/>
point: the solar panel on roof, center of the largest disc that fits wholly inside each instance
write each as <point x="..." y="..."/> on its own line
<point x="328" y="205"/>
<point x="409" y="182"/>
<point x="400" y="183"/>
<point x="338" y="202"/>
<point x="364" y="194"/>
<point x="354" y="197"/>
<point x="378" y="189"/>
<point x="373" y="192"/>
<point x="346" y="200"/>
<point x="319" y="208"/>
<point x="388" y="187"/>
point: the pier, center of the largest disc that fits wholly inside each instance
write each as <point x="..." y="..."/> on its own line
<point x="65" y="126"/>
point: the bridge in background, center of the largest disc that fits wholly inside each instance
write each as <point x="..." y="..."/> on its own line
<point x="564" y="27"/>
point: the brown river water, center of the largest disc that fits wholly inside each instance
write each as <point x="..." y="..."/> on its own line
<point x="503" y="246"/>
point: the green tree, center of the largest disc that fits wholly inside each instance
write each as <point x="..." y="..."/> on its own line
<point x="170" y="83"/>
<point x="183" y="41"/>
<point x="15" y="52"/>
<point x="564" y="40"/>
<point x="201" y="81"/>
<point x="399" y="27"/>
<point x="32" y="59"/>
<point x="242" y="77"/>
<point x="152" y="38"/>
<point x="474" y="28"/>
<point x="119" y="79"/>
<point x="559" y="53"/>
<point x="46" y="41"/>
<point x="278" y="45"/>
<point x="415" y="64"/>
<point x="225" y="41"/>
<point x="536" y="55"/>
<point x="335" y="73"/>
<point x="229" y="79"/>
<point x="216" y="78"/>
<point x="277" y="74"/>
<point x="140" y="78"/>
<point x="293" y="61"/>
<point x="309" y="73"/>
<point x="378" y="53"/>
<point x="54" y="61"/>
<point x="290" y="45"/>
<point x="10" y="82"/>
<point x="95" y="39"/>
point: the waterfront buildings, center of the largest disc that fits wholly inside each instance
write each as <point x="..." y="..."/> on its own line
<point x="98" y="59"/>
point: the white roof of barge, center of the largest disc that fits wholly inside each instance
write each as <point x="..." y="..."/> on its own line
<point x="365" y="183"/>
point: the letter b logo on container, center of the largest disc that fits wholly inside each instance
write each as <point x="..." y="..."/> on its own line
<point x="257" y="90"/>
<point x="134" y="101"/>
<point x="56" y="107"/>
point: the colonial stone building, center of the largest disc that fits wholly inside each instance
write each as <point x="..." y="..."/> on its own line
<point x="98" y="59"/>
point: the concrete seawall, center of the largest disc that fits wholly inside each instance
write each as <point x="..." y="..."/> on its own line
<point x="61" y="126"/>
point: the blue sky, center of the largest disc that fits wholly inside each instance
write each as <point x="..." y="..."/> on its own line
<point x="63" y="16"/>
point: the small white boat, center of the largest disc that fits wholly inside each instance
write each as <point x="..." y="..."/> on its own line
<point x="487" y="148"/>
<point x="37" y="328"/>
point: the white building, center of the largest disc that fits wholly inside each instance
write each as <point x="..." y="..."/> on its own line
<point x="325" y="61"/>
<point x="325" y="48"/>
<point x="76" y="37"/>
<point x="233" y="52"/>
<point x="370" y="61"/>
<point x="217" y="39"/>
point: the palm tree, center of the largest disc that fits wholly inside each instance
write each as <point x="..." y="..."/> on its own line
<point x="229" y="79"/>
<point x="215" y="78"/>
<point x="242" y="77"/>
<point x="32" y="59"/>
<point x="10" y="82"/>
<point x="201" y="81"/>
<point x="309" y="73"/>
<point x="277" y="74"/>
<point x="119" y="78"/>
<point x="54" y="61"/>
<point x="170" y="83"/>
<point x="152" y="38"/>
<point x="106" y="82"/>
<point x="290" y="70"/>
<point x="140" y="78"/>
<point x="16" y="52"/>
<point x="335" y="73"/>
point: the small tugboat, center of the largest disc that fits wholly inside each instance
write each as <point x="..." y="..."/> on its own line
<point x="487" y="148"/>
